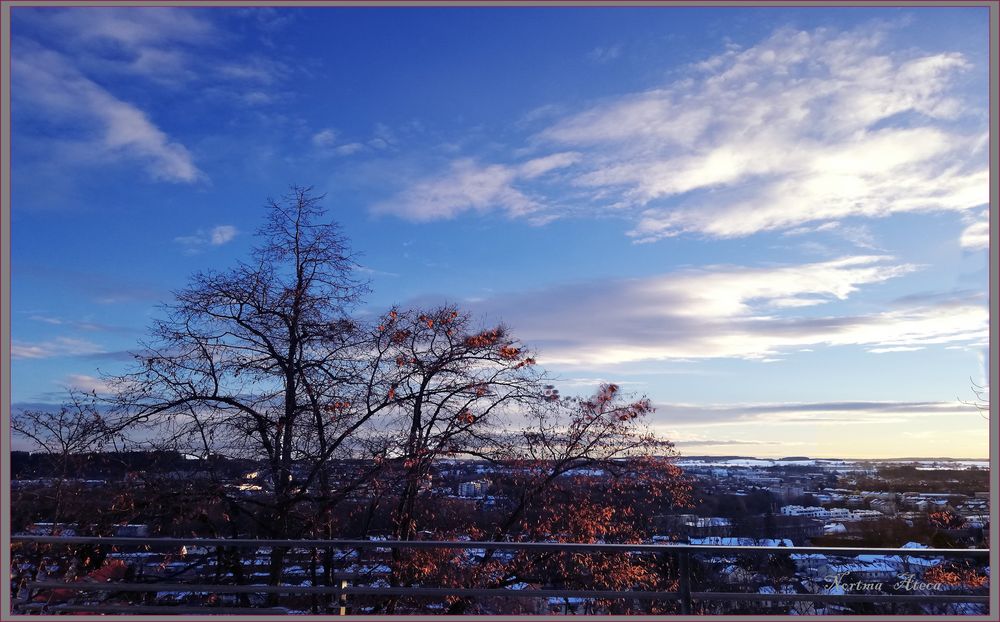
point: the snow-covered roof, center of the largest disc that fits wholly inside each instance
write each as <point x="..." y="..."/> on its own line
<point x="807" y="556"/>
<point x="875" y="566"/>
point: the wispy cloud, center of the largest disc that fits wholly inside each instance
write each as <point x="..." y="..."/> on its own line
<point x="325" y="138"/>
<point x="540" y="166"/>
<point x="729" y="312"/>
<point x="76" y="71"/>
<point x="45" y="82"/>
<point x="85" y="383"/>
<point x="222" y="234"/>
<point x="466" y="186"/>
<point x="382" y="137"/>
<point x="85" y="325"/>
<point x="348" y="148"/>
<point x="976" y="236"/>
<point x="687" y="442"/>
<point x="270" y="20"/>
<point x="374" y="272"/>
<point x="167" y="46"/>
<point x="132" y="26"/>
<point x="807" y="413"/>
<point x="95" y="286"/>
<point x="604" y="54"/>
<point x="60" y="346"/>
<point x="803" y="129"/>
<point x="203" y="238"/>
<point x="328" y="142"/>
<point x="470" y="186"/>
<point x="159" y="45"/>
<point x="266" y="71"/>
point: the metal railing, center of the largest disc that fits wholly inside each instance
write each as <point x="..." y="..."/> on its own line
<point x="684" y="555"/>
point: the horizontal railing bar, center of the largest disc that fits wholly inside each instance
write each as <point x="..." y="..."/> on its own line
<point x="495" y="592"/>
<point x="184" y="587"/>
<point x="650" y="595"/>
<point x="844" y="598"/>
<point x="155" y="610"/>
<point x="526" y="593"/>
<point x="371" y="591"/>
<point x="525" y="546"/>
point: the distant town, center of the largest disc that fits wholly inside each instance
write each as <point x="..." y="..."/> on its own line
<point x="736" y="501"/>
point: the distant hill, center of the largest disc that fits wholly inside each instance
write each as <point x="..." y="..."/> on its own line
<point x="687" y="457"/>
<point x="799" y="458"/>
<point x="939" y="459"/>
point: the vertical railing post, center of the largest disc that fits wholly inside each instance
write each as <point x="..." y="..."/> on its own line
<point x="684" y="580"/>
<point x="343" y="597"/>
<point x="313" y="558"/>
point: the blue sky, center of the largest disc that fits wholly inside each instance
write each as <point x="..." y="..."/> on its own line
<point x="771" y="221"/>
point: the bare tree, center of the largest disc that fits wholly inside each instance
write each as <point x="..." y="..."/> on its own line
<point x="565" y="469"/>
<point x="261" y="360"/>
<point x="982" y="400"/>
<point x="449" y="386"/>
<point x="63" y="435"/>
<point x="570" y="439"/>
<point x="264" y="361"/>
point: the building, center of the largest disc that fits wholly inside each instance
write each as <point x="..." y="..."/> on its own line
<point x="885" y="506"/>
<point x="785" y="588"/>
<point x="809" y="512"/>
<point x="131" y="531"/>
<point x="702" y="526"/>
<point x="873" y="571"/>
<point x="788" y="491"/>
<point x="472" y="489"/>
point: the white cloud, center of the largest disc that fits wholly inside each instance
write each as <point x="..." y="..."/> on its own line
<point x="467" y="186"/>
<point x="84" y="324"/>
<point x="165" y="45"/>
<point x="348" y="149"/>
<point x="257" y="69"/>
<point x="383" y="136"/>
<point x="895" y="349"/>
<point x="470" y="186"/>
<point x="803" y="127"/>
<point x="46" y="82"/>
<point x="730" y="312"/>
<point x="977" y="235"/>
<point x="48" y="320"/>
<point x="540" y="166"/>
<point x="216" y="236"/>
<point x="60" y="346"/>
<point x="156" y="44"/>
<point x="69" y="88"/>
<point x="85" y="383"/>
<point x="374" y="272"/>
<point x="326" y="142"/>
<point x="325" y="138"/>
<point x="133" y="26"/>
<point x="222" y="234"/>
<point x="161" y="65"/>
<point x="730" y="292"/>
<point x="808" y="413"/>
